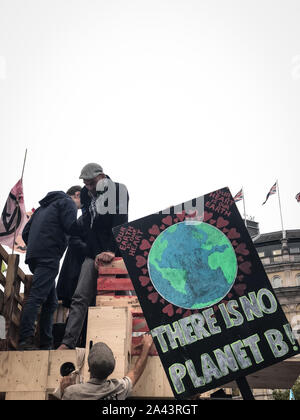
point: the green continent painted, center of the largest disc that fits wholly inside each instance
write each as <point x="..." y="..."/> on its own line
<point x="192" y="265"/>
<point x="174" y="275"/>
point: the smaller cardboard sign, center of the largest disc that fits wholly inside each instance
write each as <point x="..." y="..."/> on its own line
<point x="207" y="300"/>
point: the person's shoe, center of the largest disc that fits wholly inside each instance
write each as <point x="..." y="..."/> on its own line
<point x="27" y="344"/>
<point x="64" y="347"/>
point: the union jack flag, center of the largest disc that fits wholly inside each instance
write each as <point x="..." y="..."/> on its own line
<point x="272" y="191"/>
<point x="298" y="197"/>
<point x="239" y="196"/>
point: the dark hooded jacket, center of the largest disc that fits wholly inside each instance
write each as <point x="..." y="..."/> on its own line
<point x="45" y="233"/>
<point x="70" y="269"/>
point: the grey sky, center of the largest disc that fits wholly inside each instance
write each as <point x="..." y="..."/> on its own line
<point x="173" y="98"/>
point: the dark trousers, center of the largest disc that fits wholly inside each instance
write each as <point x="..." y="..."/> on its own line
<point x="42" y="294"/>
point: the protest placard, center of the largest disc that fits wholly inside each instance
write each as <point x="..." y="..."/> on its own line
<point x="205" y="295"/>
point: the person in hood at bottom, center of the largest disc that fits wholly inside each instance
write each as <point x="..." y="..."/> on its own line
<point x="45" y="237"/>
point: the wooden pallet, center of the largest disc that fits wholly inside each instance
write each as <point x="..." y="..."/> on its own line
<point x="15" y="286"/>
<point x="112" y="280"/>
<point x="32" y="375"/>
<point x="118" y="321"/>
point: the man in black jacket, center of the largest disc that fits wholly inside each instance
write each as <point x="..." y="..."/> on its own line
<point x="74" y="257"/>
<point x="45" y="237"/>
<point x="104" y="206"/>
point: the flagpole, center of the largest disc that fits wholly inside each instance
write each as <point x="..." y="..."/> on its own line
<point x="245" y="216"/>
<point x="283" y="232"/>
<point x="24" y="161"/>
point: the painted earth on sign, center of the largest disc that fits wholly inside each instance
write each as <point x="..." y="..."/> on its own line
<point x="192" y="264"/>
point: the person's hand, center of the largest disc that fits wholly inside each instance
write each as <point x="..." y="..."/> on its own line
<point x="146" y="342"/>
<point x="66" y="381"/>
<point x="104" y="258"/>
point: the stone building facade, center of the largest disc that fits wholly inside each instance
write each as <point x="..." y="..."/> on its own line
<point x="280" y="255"/>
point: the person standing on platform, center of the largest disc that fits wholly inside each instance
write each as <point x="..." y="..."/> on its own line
<point x="75" y="255"/>
<point x="104" y="206"/>
<point x="45" y="237"/>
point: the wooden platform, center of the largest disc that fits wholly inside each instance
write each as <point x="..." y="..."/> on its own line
<point x="118" y="321"/>
<point x="31" y="375"/>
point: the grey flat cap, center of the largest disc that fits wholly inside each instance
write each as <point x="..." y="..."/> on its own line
<point x="90" y="171"/>
<point x="101" y="361"/>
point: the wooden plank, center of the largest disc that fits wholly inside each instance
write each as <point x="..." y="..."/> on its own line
<point x="117" y="262"/>
<point x="113" y="283"/>
<point x="4" y="370"/>
<point x="112" y="326"/>
<point x="1" y="301"/>
<point x="23" y="371"/>
<point x="25" y="395"/>
<point x="56" y="359"/>
<point x="3" y="254"/>
<point x="153" y="383"/>
<point x="117" y="266"/>
<point x="27" y="284"/>
<point x="104" y="271"/>
<point x="9" y="293"/>
<point x="131" y="302"/>
<point x="12" y="267"/>
<point x="2" y="279"/>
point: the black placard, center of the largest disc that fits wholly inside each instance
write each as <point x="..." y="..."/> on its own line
<point x="205" y="295"/>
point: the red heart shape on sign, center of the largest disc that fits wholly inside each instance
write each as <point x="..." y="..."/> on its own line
<point x="221" y="222"/>
<point x="154" y="230"/>
<point x="241" y="249"/>
<point x="140" y="261"/>
<point x="245" y="267"/>
<point x="153" y="297"/>
<point x="145" y="245"/>
<point x="169" y="309"/>
<point x="240" y="288"/>
<point x="207" y="216"/>
<point x="181" y="216"/>
<point x="233" y="234"/>
<point x="144" y="280"/>
<point x="167" y="220"/>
